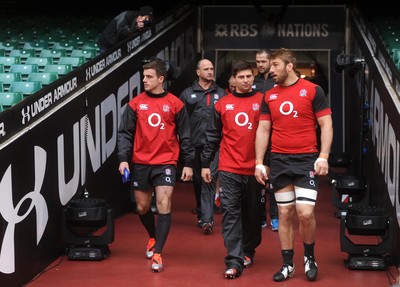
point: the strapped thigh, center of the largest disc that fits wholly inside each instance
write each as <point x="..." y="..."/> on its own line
<point x="285" y="198"/>
<point x="305" y="195"/>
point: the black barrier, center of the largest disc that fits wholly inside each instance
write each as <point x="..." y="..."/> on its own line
<point x="381" y="129"/>
<point x="61" y="142"/>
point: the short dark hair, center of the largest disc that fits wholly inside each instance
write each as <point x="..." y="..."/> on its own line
<point x="158" y="65"/>
<point x="241" y="65"/>
<point x="286" y="55"/>
<point x="146" y="11"/>
<point x="266" y="51"/>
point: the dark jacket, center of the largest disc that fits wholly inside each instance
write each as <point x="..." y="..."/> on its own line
<point x="138" y="130"/>
<point x="262" y="85"/>
<point x="199" y="105"/>
<point x="119" y="28"/>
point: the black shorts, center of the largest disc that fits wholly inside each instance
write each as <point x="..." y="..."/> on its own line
<point x="145" y="177"/>
<point x="296" y="169"/>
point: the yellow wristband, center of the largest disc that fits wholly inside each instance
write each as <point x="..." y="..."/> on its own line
<point x="323" y="155"/>
<point x="259" y="161"/>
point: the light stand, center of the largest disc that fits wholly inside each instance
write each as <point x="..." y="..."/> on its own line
<point x="367" y="221"/>
<point x="82" y="219"/>
<point x="349" y="190"/>
<point x="352" y="64"/>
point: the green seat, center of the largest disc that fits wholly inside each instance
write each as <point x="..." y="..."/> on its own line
<point x="2" y="52"/>
<point x="90" y="45"/>
<point x="68" y="46"/>
<point x="86" y="53"/>
<point x="60" y="69"/>
<point x="8" y="61"/>
<point x="45" y="78"/>
<point x="20" y="38"/>
<point x="26" y="87"/>
<point x="73" y="61"/>
<point x="1" y="68"/>
<point x="40" y="61"/>
<point x="1" y="86"/>
<point x="24" y="69"/>
<point x="7" y="46"/>
<point x="392" y="44"/>
<point x="8" y="99"/>
<point x="23" y="54"/>
<point x="50" y="39"/>
<point x="53" y="53"/>
<point x="37" y="46"/>
<point x="8" y="78"/>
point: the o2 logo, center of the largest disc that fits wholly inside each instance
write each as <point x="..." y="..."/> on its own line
<point x="287" y="108"/>
<point x="154" y="120"/>
<point x="242" y="119"/>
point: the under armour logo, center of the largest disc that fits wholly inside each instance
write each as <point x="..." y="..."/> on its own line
<point x="25" y="115"/>
<point x="88" y="75"/>
<point x="11" y="213"/>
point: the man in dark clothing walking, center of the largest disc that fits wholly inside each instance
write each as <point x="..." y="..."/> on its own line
<point x="154" y="130"/>
<point x="262" y="83"/>
<point x="232" y="131"/>
<point x="123" y="25"/>
<point x="199" y="100"/>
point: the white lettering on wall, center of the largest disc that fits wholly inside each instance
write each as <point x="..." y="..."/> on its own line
<point x="387" y="149"/>
<point x="108" y="110"/>
<point x="67" y="188"/>
<point x="303" y="30"/>
<point x="2" y="131"/>
<point x="283" y="30"/>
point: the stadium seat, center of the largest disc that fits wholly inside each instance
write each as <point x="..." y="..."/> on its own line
<point x="1" y="68"/>
<point x="2" y="53"/>
<point x="91" y="46"/>
<point x="396" y="55"/>
<point x="58" y="68"/>
<point x="8" y="78"/>
<point x="8" y="61"/>
<point x="25" y="87"/>
<point x="23" y="54"/>
<point x="7" y="46"/>
<point x="392" y="44"/>
<point x="86" y="53"/>
<point x="24" y="69"/>
<point x="50" y="39"/>
<point x="1" y="87"/>
<point x="8" y="99"/>
<point x="60" y="32"/>
<point x="20" y="38"/>
<point x="40" y="61"/>
<point x="45" y="78"/>
<point x="53" y="53"/>
<point x="73" y="61"/>
<point x="37" y="46"/>
<point x="68" y="46"/>
<point x="80" y="38"/>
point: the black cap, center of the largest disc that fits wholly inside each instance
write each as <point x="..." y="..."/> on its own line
<point x="146" y="10"/>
